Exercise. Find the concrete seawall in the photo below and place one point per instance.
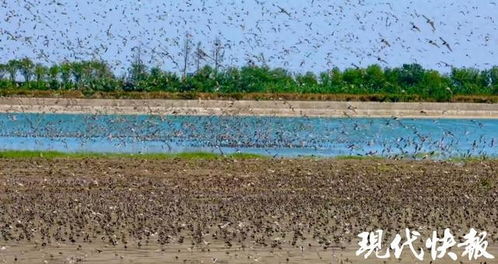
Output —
(246, 108)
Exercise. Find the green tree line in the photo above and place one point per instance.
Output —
(409, 79)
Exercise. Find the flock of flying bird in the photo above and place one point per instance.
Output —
(232, 204)
(275, 33)
(306, 35)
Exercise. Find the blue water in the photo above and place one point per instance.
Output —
(276, 136)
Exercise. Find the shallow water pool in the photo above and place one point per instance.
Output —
(275, 136)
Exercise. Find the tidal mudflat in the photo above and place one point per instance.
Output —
(128, 210)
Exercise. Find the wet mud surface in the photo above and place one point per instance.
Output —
(233, 211)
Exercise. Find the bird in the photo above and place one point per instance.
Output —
(430, 22)
(282, 10)
(415, 27)
(446, 44)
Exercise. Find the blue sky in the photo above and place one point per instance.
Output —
(311, 35)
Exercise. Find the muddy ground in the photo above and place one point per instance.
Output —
(234, 211)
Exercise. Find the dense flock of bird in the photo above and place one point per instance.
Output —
(302, 204)
(271, 136)
(298, 35)
(245, 204)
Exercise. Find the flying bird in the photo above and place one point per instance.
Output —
(282, 10)
(430, 22)
(445, 43)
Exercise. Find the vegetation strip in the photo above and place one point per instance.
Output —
(410, 82)
(27, 154)
(19, 154)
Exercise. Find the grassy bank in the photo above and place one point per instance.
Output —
(15, 154)
(239, 96)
